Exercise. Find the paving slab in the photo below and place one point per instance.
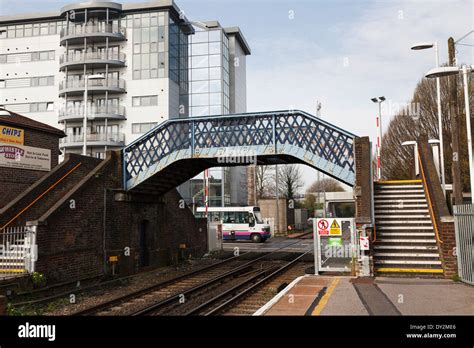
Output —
(418, 296)
(344, 300)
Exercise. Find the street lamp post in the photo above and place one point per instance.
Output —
(423, 46)
(84, 126)
(379, 101)
(415, 153)
(453, 70)
(435, 151)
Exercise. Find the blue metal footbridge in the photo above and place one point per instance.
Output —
(179, 149)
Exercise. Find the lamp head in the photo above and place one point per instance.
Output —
(422, 46)
(442, 71)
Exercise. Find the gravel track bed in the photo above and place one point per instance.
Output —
(96, 296)
(148, 299)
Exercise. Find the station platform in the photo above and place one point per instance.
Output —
(312, 295)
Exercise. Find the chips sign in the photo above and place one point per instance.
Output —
(10, 135)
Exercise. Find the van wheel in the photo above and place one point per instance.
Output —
(256, 238)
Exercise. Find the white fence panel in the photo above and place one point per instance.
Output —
(464, 226)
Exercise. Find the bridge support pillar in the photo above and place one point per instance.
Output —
(363, 195)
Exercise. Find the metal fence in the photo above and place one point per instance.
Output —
(464, 226)
(17, 251)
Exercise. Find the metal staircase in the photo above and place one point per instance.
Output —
(405, 235)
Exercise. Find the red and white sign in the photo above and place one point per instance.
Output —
(323, 227)
(364, 243)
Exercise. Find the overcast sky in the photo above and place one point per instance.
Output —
(340, 52)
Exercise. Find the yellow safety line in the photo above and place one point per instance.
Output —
(409, 270)
(430, 205)
(319, 308)
(398, 181)
(41, 195)
(12, 270)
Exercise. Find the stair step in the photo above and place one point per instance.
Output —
(405, 234)
(408, 270)
(405, 222)
(388, 192)
(427, 216)
(384, 228)
(408, 262)
(405, 247)
(406, 255)
(377, 197)
(398, 211)
(399, 201)
(394, 187)
(427, 241)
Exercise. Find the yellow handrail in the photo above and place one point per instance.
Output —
(40, 196)
(429, 199)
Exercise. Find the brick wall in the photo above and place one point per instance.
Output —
(440, 213)
(363, 181)
(70, 236)
(14, 181)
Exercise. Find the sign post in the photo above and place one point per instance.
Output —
(316, 247)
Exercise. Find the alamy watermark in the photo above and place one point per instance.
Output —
(238, 156)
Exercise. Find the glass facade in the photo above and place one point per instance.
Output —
(209, 95)
(209, 73)
(149, 49)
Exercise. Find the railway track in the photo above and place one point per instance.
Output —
(254, 289)
(215, 296)
(207, 291)
(128, 303)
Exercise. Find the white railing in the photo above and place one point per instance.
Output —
(110, 137)
(18, 251)
(92, 111)
(94, 55)
(105, 83)
(95, 28)
(464, 227)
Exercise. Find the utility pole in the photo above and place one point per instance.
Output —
(455, 127)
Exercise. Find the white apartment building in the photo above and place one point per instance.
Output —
(137, 61)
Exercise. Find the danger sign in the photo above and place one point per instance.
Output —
(364, 243)
(335, 229)
(323, 227)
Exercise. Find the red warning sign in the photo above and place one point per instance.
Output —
(323, 227)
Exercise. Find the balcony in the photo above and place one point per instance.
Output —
(93, 59)
(94, 139)
(94, 112)
(96, 32)
(76, 87)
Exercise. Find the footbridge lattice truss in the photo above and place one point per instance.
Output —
(178, 149)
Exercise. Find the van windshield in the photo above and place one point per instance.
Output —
(258, 217)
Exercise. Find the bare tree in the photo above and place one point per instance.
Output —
(290, 180)
(264, 181)
(326, 184)
(422, 118)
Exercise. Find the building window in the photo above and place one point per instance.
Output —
(149, 100)
(42, 107)
(140, 128)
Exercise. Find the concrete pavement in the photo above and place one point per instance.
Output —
(334, 295)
